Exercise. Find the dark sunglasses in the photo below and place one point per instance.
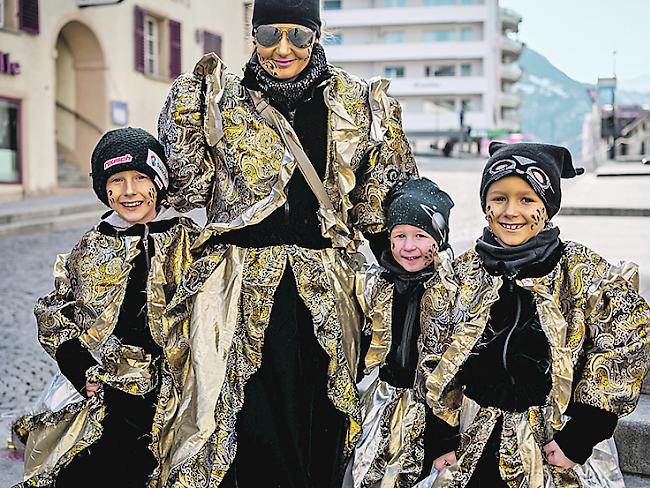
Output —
(269, 35)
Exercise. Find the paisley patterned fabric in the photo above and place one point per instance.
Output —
(90, 285)
(223, 155)
(225, 365)
(590, 313)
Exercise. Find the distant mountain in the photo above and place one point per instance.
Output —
(554, 105)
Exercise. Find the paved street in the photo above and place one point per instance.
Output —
(26, 265)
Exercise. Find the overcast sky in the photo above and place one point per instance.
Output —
(579, 36)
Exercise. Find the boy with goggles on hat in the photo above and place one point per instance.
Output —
(544, 346)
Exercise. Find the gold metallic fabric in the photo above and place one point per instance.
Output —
(90, 285)
(589, 311)
(224, 156)
(224, 305)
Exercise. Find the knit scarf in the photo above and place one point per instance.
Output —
(291, 93)
(510, 260)
(406, 283)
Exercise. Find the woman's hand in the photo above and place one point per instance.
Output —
(92, 388)
(556, 457)
(444, 461)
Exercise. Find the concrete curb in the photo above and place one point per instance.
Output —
(605, 212)
(633, 439)
(49, 224)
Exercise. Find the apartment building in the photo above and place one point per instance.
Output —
(448, 60)
(72, 69)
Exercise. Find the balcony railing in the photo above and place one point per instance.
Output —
(510, 19)
(510, 45)
(511, 72)
(407, 51)
(509, 100)
(371, 17)
(441, 85)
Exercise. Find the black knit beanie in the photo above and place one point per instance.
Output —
(421, 203)
(300, 12)
(128, 149)
(542, 166)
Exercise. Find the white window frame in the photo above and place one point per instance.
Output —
(151, 40)
(2, 13)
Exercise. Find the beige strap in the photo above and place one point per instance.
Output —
(290, 138)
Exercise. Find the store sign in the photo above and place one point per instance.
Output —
(8, 67)
(94, 3)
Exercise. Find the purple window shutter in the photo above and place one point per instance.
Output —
(211, 43)
(174, 49)
(28, 16)
(138, 39)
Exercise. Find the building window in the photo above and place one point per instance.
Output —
(211, 43)
(151, 43)
(157, 45)
(394, 71)
(394, 3)
(2, 13)
(394, 37)
(465, 69)
(28, 17)
(333, 40)
(441, 70)
(440, 105)
(9, 140)
(332, 5)
(471, 104)
(439, 2)
(441, 35)
(468, 34)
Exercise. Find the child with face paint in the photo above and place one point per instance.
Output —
(103, 326)
(394, 447)
(545, 345)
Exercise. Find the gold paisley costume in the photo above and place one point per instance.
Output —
(225, 157)
(596, 325)
(90, 288)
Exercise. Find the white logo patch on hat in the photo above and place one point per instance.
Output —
(127, 158)
(158, 166)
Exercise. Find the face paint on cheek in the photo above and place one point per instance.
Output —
(489, 214)
(269, 66)
(152, 197)
(111, 201)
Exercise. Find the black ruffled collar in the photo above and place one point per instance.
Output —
(288, 94)
(535, 258)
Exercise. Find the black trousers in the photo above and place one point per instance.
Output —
(289, 434)
(121, 457)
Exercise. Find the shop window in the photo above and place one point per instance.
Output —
(394, 71)
(9, 140)
(440, 105)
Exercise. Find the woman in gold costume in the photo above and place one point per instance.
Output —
(267, 396)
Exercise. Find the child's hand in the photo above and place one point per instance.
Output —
(556, 457)
(444, 461)
(92, 388)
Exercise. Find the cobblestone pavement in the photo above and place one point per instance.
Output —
(26, 264)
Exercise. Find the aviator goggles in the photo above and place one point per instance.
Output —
(268, 36)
